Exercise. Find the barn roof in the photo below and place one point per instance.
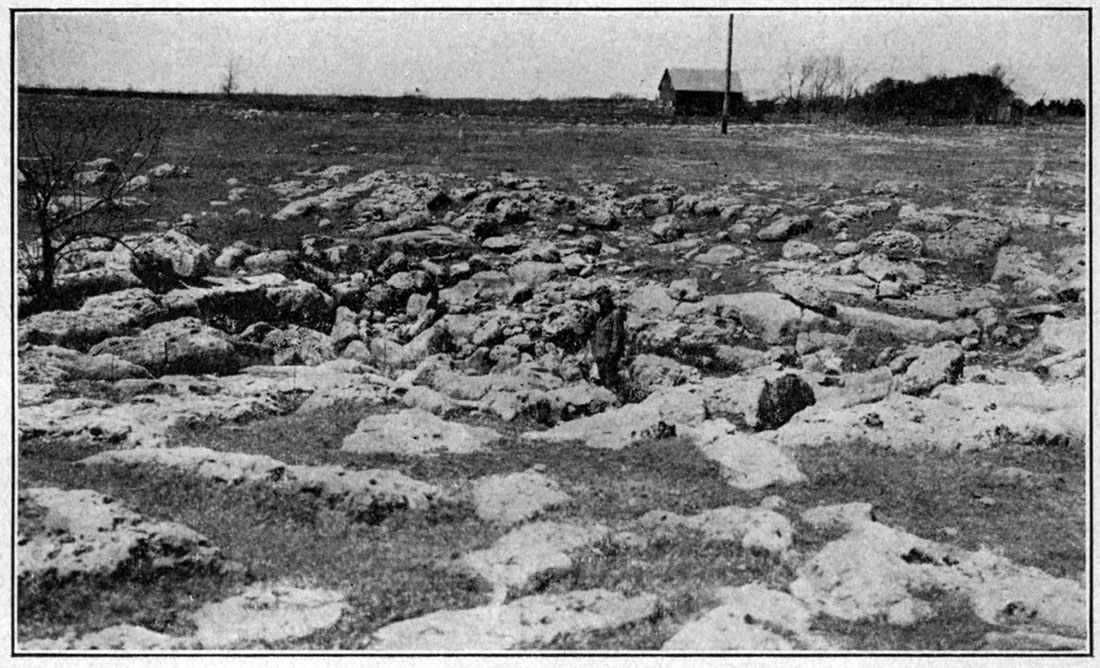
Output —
(692, 79)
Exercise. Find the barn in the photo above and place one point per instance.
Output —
(699, 91)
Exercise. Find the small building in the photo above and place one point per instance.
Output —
(699, 91)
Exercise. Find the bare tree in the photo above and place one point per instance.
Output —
(75, 181)
(820, 80)
(231, 81)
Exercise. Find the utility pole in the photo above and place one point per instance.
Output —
(729, 69)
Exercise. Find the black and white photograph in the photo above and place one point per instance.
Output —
(422, 331)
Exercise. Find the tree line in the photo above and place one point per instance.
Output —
(825, 85)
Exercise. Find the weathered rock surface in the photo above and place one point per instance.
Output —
(839, 517)
(656, 417)
(648, 372)
(417, 432)
(876, 570)
(368, 495)
(524, 622)
(967, 416)
(748, 461)
(751, 528)
(174, 255)
(767, 315)
(942, 363)
(184, 346)
(123, 637)
(968, 238)
(266, 613)
(53, 364)
(785, 227)
(894, 244)
(745, 622)
(85, 532)
(531, 551)
(514, 497)
(145, 423)
(100, 317)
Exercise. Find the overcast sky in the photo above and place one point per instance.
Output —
(536, 54)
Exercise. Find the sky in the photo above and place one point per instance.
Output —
(510, 54)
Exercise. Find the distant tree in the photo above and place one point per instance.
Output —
(231, 80)
(820, 83)
(75, 171)
(1075, 107)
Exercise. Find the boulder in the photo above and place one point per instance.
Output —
(666, 228)
(227, 304)
(796, 249)
(272, 261)
(766, 399)
(942, 363)
(785, 227)
(488, 286)
(180, 346)
(53, 364)
(893, 244)
(719, 255)
(302, 303)
(100, 317)
(970, 238)
(296, 345)
(174, 255)
(648, 372)
(766, 315)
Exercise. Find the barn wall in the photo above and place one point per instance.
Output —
(706, 103)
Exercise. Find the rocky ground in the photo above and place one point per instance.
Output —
(852, 417)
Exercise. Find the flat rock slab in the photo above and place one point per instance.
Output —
(85, 532)
(745, 622)
(514, 497)
(125, 637)
(369, 494)
(417, 432)
(839, 516)
(752, 528)
(146, 423)
(267, 613)
(956, 419)
(530, 551)
(876, 570)
(748, 461)
(526, 621)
